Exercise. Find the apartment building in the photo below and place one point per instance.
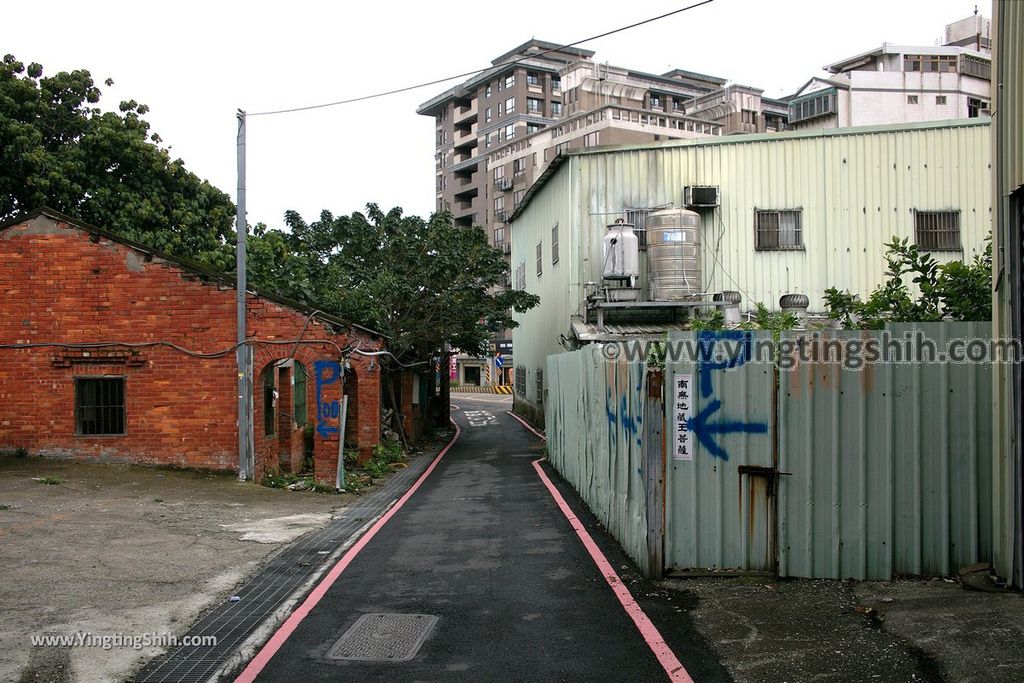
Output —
(902, 84)
(497, 132)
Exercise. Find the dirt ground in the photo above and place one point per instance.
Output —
(122, 549)
(795, 630)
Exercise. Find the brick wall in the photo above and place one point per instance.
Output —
(60, 283)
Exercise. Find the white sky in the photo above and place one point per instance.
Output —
(195, 63)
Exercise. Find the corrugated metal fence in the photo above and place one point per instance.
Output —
(599, 411)
(816, 468)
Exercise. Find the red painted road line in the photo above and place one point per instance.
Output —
(526, 424)
(668, 660)
(292, 622)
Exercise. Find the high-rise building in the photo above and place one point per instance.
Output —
(497, 132)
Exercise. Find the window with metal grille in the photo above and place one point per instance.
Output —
(521, 275)
(778, 229)
(299, 395)
(813, 106)
(540, 259)
(554, 244)
(269, 401)
(540, 386)
(521, 381)
(99, 406)
(638, 219)
(937, 230)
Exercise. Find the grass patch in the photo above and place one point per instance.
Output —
(13, 452)
(50, 481)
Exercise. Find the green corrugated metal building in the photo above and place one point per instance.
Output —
(852, 188)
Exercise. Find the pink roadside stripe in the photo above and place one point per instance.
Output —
(668, 660)
(261, 659)
(540, 435)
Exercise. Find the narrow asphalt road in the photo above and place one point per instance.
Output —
(483, 546)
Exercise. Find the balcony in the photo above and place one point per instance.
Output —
(467, 193)
(502, 215)
(504, 184)
(466, 113)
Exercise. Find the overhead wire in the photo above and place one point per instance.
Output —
(465, 74)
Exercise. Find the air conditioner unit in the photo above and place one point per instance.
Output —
(701, 196)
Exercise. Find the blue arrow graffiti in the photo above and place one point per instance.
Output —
(704, 431)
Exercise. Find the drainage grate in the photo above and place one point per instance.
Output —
(233, 622)
(384, 638)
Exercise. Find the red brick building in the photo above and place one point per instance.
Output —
(94, 331)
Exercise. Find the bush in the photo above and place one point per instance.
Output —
(954, 290)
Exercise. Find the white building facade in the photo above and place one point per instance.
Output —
(902, 84)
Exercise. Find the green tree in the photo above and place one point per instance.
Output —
(57, 148)
(425, 283)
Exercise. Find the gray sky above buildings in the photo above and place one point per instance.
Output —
(194, 63)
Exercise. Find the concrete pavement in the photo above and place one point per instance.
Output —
(483, 547)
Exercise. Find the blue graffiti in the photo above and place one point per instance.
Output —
(326, 372)
(700, 427)
(738, 352)
(735, 356)
(623, 417)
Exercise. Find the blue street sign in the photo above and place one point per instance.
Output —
(498, 360)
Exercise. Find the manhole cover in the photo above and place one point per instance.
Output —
(384, 637)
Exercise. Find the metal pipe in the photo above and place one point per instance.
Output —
(242, 352)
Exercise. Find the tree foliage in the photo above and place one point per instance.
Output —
(956, 290)
(425, 283)
(57, 148)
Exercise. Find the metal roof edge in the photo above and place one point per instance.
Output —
(561, 158)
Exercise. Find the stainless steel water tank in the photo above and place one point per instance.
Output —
(674, 255)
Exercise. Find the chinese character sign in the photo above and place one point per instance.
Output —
(682, 401)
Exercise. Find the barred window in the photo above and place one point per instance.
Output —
(521, 275)
(521, 381)
(638, 219)
(540, 259)
(99, 406)
(937, 230)
(540, 386)
(554, 244)
(778, 229)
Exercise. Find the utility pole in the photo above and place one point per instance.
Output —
(242, 351)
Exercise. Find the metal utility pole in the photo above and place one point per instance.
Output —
(242, 352)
